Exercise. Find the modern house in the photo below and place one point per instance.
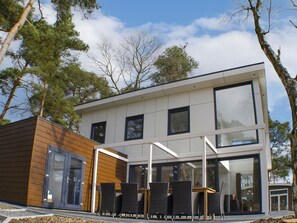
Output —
(209, 129)
(45, 165)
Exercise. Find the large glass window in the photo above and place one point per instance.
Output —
(178, 120)
(235, 108)
(242, 184)
(134, 127)
(193, 171)
(98, 132)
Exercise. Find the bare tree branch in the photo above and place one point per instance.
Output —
(293, 23)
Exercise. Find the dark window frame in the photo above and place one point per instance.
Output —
(92, 131)
(126, 126)
(255, 112)
(176, 110)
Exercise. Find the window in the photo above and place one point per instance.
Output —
(235, 108)
(178, 120)
(98, 132)
(242, 184)
(134, 127)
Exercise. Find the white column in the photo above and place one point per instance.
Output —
(204, 162)
(149, 166)
(93, 199)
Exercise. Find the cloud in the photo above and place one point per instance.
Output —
(216, 42)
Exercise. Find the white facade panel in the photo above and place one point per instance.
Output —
(202, 118)
(85, 126)
(149, 125)
(201, 96)
(120, 124)
(162, 103)
(136, 108)
(181, 147)
(161, 123)
(111, 125)
(99, 116)
(178, 100)
(150, 106)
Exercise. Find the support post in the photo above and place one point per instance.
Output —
(204, 162)
(93, 199)
(149, 166)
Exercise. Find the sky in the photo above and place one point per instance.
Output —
(214, 39)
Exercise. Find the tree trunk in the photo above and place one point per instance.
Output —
(14, 30)
(11, 94)
(41, 108)
(288, 82)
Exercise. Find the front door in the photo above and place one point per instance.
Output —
(64, 183)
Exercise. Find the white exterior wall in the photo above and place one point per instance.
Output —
(202, 119)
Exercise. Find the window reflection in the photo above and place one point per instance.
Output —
(242, 187)
(235, 108)
(134, 127)
(98, 132)
(178, 120)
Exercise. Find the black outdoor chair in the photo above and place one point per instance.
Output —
(182, 198)
(110, 200)
(132, 201)
(196, 204)
(158, 200)
(215, 203)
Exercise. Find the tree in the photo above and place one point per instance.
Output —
(128, 65)
(10, 80)
(63, 9)
(174, 64)
(74, 86)
(279, 145)
(259, 12)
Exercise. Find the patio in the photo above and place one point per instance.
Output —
(91, 216)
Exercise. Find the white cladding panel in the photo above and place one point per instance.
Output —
(136, 108)
(149, 125)
(85, 126)
(179, 100)
(161, 123)
(121, 114)
(111, 125)
(155, 110)
(162, 103)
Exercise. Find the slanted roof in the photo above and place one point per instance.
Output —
(214, 79)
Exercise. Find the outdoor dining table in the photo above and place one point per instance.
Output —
(204, 190)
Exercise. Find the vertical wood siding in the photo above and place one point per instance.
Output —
(16, 143)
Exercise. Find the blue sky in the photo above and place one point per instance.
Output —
(138, 12)
(215, 40)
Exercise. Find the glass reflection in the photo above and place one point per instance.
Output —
(242, 187)
(235, 108)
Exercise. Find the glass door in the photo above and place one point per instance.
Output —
(63, 184)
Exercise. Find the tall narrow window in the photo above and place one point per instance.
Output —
(235, 108)
(98, 132)
(178, 120)
(134, 127)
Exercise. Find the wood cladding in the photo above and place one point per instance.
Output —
(24, 147)
(16, 143)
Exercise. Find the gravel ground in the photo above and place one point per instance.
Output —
(53, 219)
(18, 213)
(4, 206)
